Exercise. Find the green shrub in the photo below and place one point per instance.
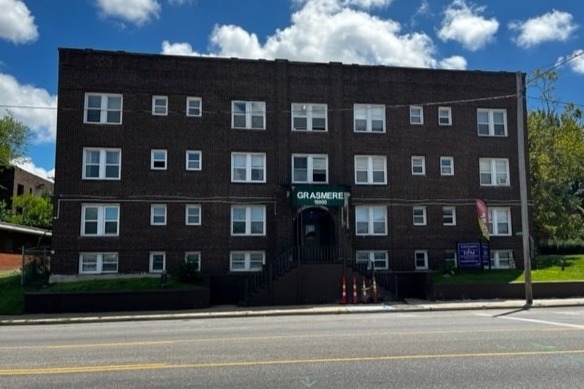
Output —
(188, 273)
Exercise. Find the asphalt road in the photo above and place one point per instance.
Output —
(539, 348)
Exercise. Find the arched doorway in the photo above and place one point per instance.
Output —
(315, 235)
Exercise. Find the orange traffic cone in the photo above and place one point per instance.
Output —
(355, 299)
(344, 295)
(374, 291)
(364, 289)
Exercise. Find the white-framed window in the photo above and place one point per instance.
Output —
(309, 117)
(494, 171)
(247, 260)
(194, 160)
(369, 118)
(158, 214)
(193, 215)
(371, 220)
(449, 216)
(103, 108)
(158, 159)
(157, 262)
(101, 164)
(100, 219)
(419, 214)
(421, 259)
(193, 257)
(160, 105)
(446, 166)
(492, 122)
(418, 165)
(370, 169)
(416, 114)
(248, 220)
(310, 168)
(194, 106)
(98, 263)
(376, 259)
(450, 258)
(499, 221)
(248, 167)
(249, 115)
(444, 116)
(502, 259)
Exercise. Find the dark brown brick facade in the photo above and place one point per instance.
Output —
(219, 81)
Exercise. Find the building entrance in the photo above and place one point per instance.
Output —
(315, 235)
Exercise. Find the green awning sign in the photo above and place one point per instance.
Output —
(329, 196)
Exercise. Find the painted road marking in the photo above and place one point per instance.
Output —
(546, 322)
(158, 366)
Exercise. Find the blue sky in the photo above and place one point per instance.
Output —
(515, 35)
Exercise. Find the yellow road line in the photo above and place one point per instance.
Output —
(157, 366)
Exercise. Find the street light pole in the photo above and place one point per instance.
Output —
(521, 156)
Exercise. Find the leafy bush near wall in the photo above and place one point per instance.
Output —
(561, 247)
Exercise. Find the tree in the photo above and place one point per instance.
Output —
(556, 157)
(14, 138)
(29, 210)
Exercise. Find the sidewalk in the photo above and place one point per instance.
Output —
(410, 305)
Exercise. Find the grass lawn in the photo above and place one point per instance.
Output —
(12, 294)
(545, 268)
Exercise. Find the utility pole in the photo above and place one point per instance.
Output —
(521, 156)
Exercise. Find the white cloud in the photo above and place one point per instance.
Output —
(552, 26)
(138, 12)
(18, 98)
(30, 167)
(575, 61)
(463, 23)
(16, 22)
(324, 31)
(453, 63)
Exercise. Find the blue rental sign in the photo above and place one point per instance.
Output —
(473, 254)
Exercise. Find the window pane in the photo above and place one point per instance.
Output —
(114, 117)
(114, 103)
(94, 102)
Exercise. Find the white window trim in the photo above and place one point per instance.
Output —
(368, 118)
(370, 220)
(310, 168)
(151, 261)
(152, 152)
(102, 163)
(189, 100)
(423, 159)
(424, 217)
(453, 209)
(496, 259)
(451, 159)
(248, 168)
(493, 213)
(103, 108)
(491, 122)
(155, 106)
(99, 264)
(413, 110)
(309, 116)
(248, 221)
(425, 253)
(449, 110)
(100, 219)
(192, 206)
(247, 266)
(248, 115)
(371, 258)
(198, 254)
(158, 206)
(493, 172)
(194, 152)
(369, 160)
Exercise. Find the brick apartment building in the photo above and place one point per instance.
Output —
(279, 177)
(16, 181)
